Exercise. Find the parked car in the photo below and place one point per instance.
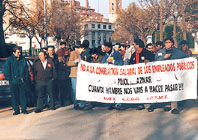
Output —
(5, 92)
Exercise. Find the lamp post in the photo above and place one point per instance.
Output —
(45, 24)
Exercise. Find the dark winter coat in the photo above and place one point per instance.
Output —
(16, 71)
(117, 57)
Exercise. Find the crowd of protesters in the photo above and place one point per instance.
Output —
(55, 73)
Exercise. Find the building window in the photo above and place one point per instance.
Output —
(93, 43)
(98, 26)
(99, 36)
(86, 33)
(86, 26)
(93, 25)
(105, 37)
(104, 26)
(99, 44)
(93, 35)
(110, 27)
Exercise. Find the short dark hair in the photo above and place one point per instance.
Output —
(183, 42)
(75, 46)
(159, 43)
(108, 44)
(82, 46)
(85, 43)
(42, 51)
(123, 45)
(139, 42)
(94, 51)
(50, 47)
(16, 48)
(62, 43)
(171, 39)
(149, 44)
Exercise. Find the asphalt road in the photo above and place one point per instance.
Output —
(100, 124)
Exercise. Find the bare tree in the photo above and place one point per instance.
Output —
(137, 21)
(65, 23)
(161, 13)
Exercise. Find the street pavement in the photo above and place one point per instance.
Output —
(65, 123)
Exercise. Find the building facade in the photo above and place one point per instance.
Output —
(114, 7)
(97, 32)
(96, 28)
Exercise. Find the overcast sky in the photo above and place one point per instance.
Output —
(102, 6)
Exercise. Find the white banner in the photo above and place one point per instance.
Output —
(160, 81)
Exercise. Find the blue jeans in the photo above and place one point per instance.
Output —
(73, 82)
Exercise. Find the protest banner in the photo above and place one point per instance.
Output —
(160, 81)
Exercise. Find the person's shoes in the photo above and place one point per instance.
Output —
(166, 109)
(111, 107)
(46, 106)
(38, 111)
(175, 111)
(88, 107)
(76, 107)
(52, 108)
(119, 107)
(150, 109)
(62, 104)
(82, 106)
(140, 107)
(16, 113)
(24, 112)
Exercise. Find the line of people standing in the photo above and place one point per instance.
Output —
(53, 71)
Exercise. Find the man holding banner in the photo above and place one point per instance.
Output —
(111, 57)
(141, 55)
(170, 53)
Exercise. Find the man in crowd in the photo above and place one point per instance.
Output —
(63, 51)
(74, 59)
(185, 49)
(63, 80)
(16, 71)
(85, 53)
(96, 56)
(44, 74)
(158, 46)
(141, 55)
(112, 57)
(169, 52)
(127, 56)
(150, 47)
(54, 58)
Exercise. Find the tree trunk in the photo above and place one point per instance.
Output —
(30, 49)
(3, 51)
(155, 36)
(184, 26)
(184, 35)
(40, 42)
(161, 20)
(174, 33)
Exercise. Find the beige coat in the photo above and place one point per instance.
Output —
(73, 56)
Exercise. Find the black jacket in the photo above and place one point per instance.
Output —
(144, 55)
(16, 71)
(49, 73)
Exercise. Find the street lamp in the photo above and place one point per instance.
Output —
(45, 24)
